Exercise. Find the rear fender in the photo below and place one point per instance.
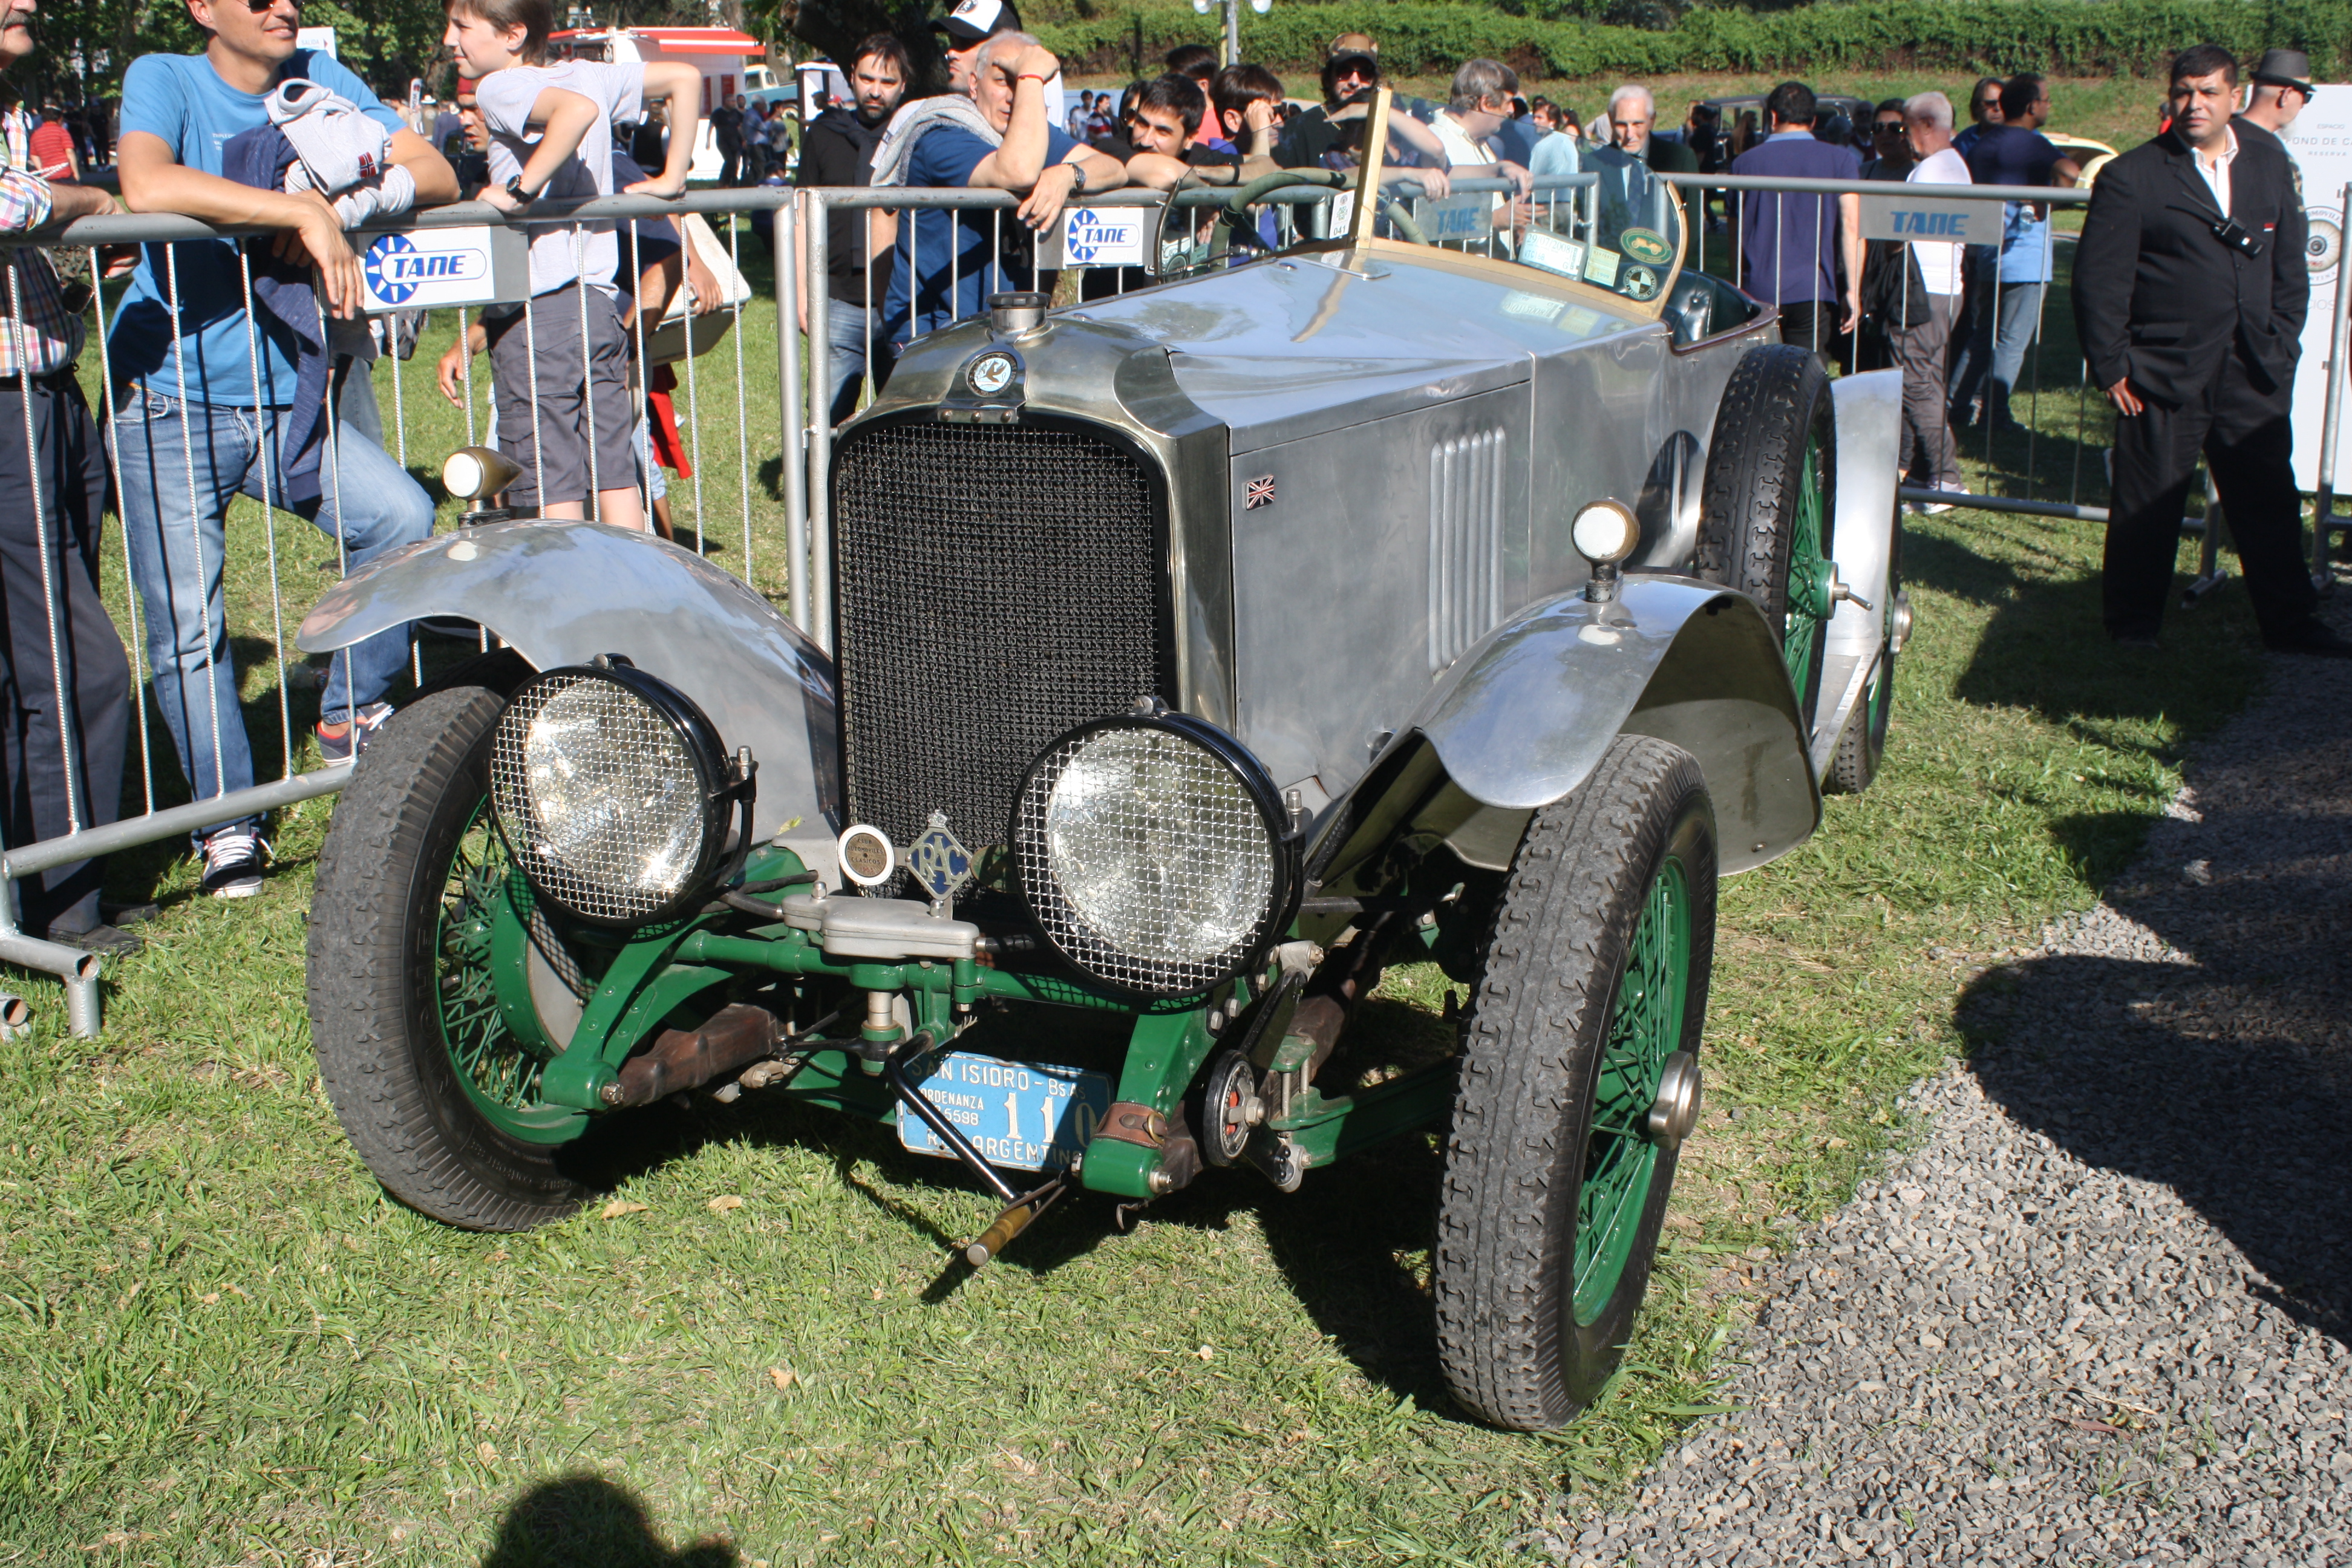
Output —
(1869, 412)
(562, 593)
(1522, 718)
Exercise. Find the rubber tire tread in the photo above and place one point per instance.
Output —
(1523, 1107)
(380, 1056)
(1747, 499)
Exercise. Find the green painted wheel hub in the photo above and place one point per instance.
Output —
(1645, 1026)
(1809, 575)
(496, 1070)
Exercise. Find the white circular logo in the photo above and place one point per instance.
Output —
(2325, 248)
(991, 373)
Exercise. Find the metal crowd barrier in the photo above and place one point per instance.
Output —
(804, 225)
(2326, 520)
(80, 970)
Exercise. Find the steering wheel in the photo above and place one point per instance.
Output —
(1233, 218)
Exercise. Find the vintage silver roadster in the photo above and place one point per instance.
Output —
(1200, 652)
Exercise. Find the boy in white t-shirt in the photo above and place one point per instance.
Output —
(560, 364)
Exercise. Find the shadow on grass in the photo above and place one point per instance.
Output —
(2046, 651)
(586, 1522)
(1345, 1242)
(2227, 1078)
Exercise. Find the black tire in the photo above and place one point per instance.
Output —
(1516, 1351)
(1775, 405)
(374, 1020)
(1861, 744)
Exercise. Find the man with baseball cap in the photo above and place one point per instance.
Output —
(972, 24)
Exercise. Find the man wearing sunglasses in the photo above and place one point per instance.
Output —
(1351, 69)
(204, 390)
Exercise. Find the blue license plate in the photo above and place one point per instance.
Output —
(1024, 1116)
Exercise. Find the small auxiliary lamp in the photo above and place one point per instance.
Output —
(1604, 533)
(473, 475)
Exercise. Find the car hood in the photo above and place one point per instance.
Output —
(1296, 346)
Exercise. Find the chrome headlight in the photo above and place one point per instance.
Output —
(613, 792)
(1154, 853)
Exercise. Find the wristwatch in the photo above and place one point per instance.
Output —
(521, 197)
(1078, 178)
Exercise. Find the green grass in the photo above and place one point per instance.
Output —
(228, 1347)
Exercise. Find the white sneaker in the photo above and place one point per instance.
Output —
(233, 864)
(1938, 508)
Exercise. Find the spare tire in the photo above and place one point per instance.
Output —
(1768, 502)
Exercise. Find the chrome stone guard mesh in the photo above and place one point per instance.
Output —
(632, 852)
(1209, 845)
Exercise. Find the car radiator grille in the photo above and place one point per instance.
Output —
(1465, 542)
(995, 586)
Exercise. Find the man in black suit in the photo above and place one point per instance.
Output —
(2190, 295)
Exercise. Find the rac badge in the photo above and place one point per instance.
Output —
(938, 860)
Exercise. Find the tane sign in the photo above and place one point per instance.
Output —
(479, 264)
(1909, 216)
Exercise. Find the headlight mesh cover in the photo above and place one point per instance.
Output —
(1146, 861)
(599, 797)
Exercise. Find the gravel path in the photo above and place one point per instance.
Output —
(2102, 1313)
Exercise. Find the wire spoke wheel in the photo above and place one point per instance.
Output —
(1801, 632)
(1592, 986)
(1645, 1026)
(1768, 504)
(413, 1007)
(496, 1071)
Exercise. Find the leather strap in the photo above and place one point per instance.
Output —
(1129, 1123)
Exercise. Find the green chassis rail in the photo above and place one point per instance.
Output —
(654, 972)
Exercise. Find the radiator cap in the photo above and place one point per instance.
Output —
(1014, 313)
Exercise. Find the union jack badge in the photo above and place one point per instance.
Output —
(1259, 492)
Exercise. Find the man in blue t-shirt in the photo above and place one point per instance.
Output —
(949, 262)
(187, 386)
(2009, 152)
(1791, 246)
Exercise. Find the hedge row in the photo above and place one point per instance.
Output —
(2064, 38)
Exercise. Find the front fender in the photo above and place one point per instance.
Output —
(1521, 719)
(562, 593)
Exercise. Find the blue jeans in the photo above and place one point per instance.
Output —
(175, 560)
(852, 333)
(1997, 350)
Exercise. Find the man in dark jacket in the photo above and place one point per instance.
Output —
(726, 134)
(838, 150)
(2190, 294)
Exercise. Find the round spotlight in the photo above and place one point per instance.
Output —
(1605, 533)
(613, 792)
(1154, 853)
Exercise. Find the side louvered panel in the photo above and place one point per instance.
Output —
(1465, 542)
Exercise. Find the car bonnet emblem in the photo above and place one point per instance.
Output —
(991, 373)
(1257, 493)
(938, 860)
